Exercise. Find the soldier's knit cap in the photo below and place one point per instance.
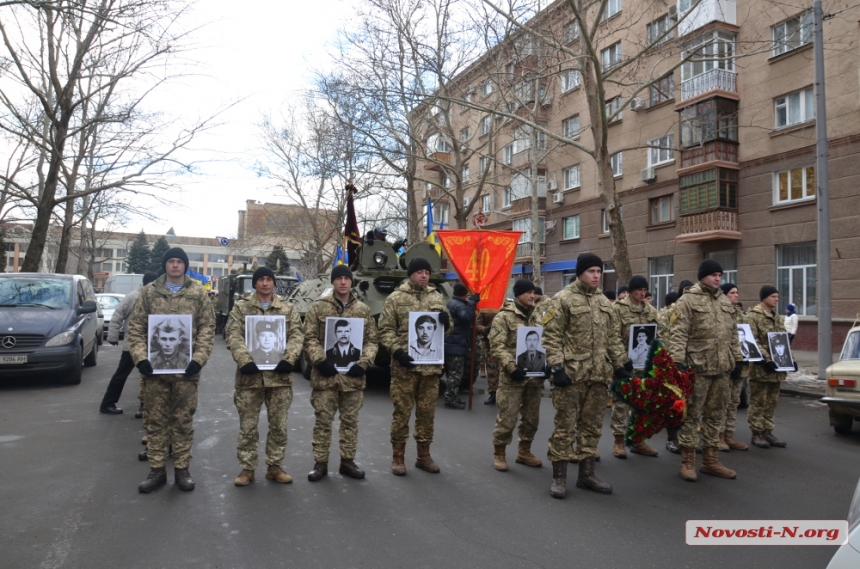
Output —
(341, 271)
(587, 260)
(671, 298)
(460, 290)
(523, 286)
(175, 253)
(149, 276)
(684, 284)
(265, 326)
(637, 282)
(610, 294)
(626, 288)
(709, 267)
(727, 287)
(766, 291)
(539, 290)
(418, 264)
(260, 273)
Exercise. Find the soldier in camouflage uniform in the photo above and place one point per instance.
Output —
(663, 315)
(255, 387)
(582, 348)
(412, 385)
(727, 433)
(335, 390)
(170, 400)
(630, 310)
(485, 321)
(703, 336)
(764, 379)
(517, 393)
(664, 332)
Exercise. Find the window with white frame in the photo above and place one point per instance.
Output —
(570, 127)
(508, 154)
(485, 125)
(571, 177)
(486, 203)
(507, 198)
(794, 185)
(728, 260)
(487, 88)
(792, 33)
(612, 112)
(610, 280)
(483, 162)
(525, 225)
(794, 108)
(569, 80)
(440, 214)
(661, 271)
(611, 56)
(617, 167)
(663, 90)
(708, 52)
(446, 182)
(661, 210)
(659, 27)
(796, 272)
(660, 149)
(465, 174)
(428, 187)
(436, 143)
(570, 229)
(464, 134)
(571, 31)
(604, 219)
(522, 140)
(612, 8)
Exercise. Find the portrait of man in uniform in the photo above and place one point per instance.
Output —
(641, 336)
(749, 349)
(266, 339)
(530, 354)
(426, 338)
(780, 352)
(343, 341)
(169, 342)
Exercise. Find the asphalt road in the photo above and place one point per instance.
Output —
(69, 496)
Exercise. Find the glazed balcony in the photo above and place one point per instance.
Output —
(713, 151)
(709, 226)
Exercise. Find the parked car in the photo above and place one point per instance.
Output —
(842, 393)
(48, 324)
(848, 554)
(108, 303)
(123, 284)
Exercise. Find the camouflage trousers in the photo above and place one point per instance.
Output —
(411, 389)
(521, 400)
(618, 420)
(578, 413)
(710, 397)
(734, 401)
(764, 395)
(492, 366)
(169, 419)
(326, 403)
(249, 402)
(455, 369)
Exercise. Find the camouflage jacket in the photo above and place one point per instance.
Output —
(156, 298)
(628, 315)
(503, 338)
(250, 305)
(663, 323)
(702, 331)
(761, 323)
(315, 326)
(394, 321)
(581, 333)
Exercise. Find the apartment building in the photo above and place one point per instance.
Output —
(715, 158)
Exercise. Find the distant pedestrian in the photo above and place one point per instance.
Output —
(458, 344)
(791, 322)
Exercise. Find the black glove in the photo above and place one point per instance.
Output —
(561, 379)
(113, 343)
(770, 366)
(795, 366)
(145, 367)
(249, 369)
(326, 368)
(629, 366)
(284, 367)
(355, 371)
(403, 358)
(444, 319)
(736, 373)
(681, 367)
(621, 373)
(473, 299)
(546, 373)
(518, 375)
(193, 369)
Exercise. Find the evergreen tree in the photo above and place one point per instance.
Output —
(158, 250)
(138, 255)
(278, 254)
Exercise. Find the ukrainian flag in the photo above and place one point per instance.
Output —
(432, 238)
(202, 279)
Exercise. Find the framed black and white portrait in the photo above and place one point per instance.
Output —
(169, 342)
(531, 356)
(749, 347)
(344, 340)
(426, 338)
(266, 338)
(641, 336)
(780, 351)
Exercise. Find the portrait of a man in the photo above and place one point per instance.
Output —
(530, 354)
(641, 336)
(426, 338)
(266, 339)
(749, 348)
(169, 342)
(343, 341)
(780, 352)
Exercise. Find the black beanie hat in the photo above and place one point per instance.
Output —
(341, 271)
(727, 287)
(262, 272)
(523, 286)
(538, 290)
(587, 260)
(460, 290)
(418, 264)
(684, 284)
(708, 267)
(149, 276)
(637, 282)
(766, 291)
(175, 253)
(610, 294)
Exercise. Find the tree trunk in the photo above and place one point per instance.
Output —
(65, 237)
(535, 203)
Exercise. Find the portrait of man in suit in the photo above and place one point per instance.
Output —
(343, 352)
(749, 349)
(780, 353)
(531, 356)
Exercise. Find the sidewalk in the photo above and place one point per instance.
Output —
(805, 382)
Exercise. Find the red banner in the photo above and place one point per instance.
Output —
(482, 260)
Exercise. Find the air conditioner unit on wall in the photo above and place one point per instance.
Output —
(466, 202)
(649, 175)
(549, 226)
(637, 104)
(471, 89)
(558, 197)
(552, 185)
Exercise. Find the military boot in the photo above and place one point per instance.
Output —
(425, 462)
(183, 479)
(319, 472)
(733, 443)
(139, 414)
(774, 442)
(688, 464)
(157, 478)
(349, 468)
(618, 448)
(525, 456)
(644, 449)
(500, 463)
(587, 479)
(672, 441)
(559, 479)
(711, 464)
(398, 467)
(759, 440)
(245, 477)
(143, 455)
(276, 473)
(723, 445)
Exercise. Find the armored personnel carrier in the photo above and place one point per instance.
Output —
(236, 286)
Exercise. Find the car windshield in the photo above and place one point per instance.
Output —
(108, 302)
(48, 293)
(851, 349)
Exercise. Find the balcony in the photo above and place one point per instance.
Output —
(705, 12)
(713, 151)
(523, 206)
(709, 226)
(444, 157)
(715, 79)
(526, 250)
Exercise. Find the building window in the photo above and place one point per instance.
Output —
(661, 210)
(486, 203)
(571, 227)
(483, 162)
(663, 90)
(485, 125)
(612, 8)
(604, 219)
(794, 108)
(794, 185)
(569, 80)
(571, 31)
(508, 154)
(522, 140)
(465, 174)
(428, 187)
(435, 143)
(796, 277)
(610, 281)
(487, 88)
(570, 127)
(440, 214)
(464, 134)
(792, 33)
(661, 150)
(728, 260)
(121, 253)
(612, 110)
(661, 271)
(611, 56)
(661, 26)
(711, 189)
(571, 177)
(194, 257)
(617, 168)
(716, 119)
(508, 197)
(708, 52)
(525, 225)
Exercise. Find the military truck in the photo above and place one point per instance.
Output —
(235, 286)
(377, 273)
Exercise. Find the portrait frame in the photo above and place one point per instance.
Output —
(786, 361)
(537, 367)
(277, 325)
(436, 345)
(356, 342)
(167, 327)
(639, 356)
(749, 339)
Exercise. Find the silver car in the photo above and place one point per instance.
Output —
(108, 303)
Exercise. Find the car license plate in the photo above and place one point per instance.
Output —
(13, 359)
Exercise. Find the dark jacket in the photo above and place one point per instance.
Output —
(458, 342)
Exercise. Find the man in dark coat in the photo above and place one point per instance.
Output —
(458, 344)
(343, 354)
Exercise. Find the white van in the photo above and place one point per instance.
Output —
(123, 284)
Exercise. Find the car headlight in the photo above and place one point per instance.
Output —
(60, 339)
(380, 258)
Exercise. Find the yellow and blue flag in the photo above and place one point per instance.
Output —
(202, 279)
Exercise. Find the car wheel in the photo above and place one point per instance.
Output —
(305, 365)
(842, 424)
(74, 376)
(745, 394)
(93, 357)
